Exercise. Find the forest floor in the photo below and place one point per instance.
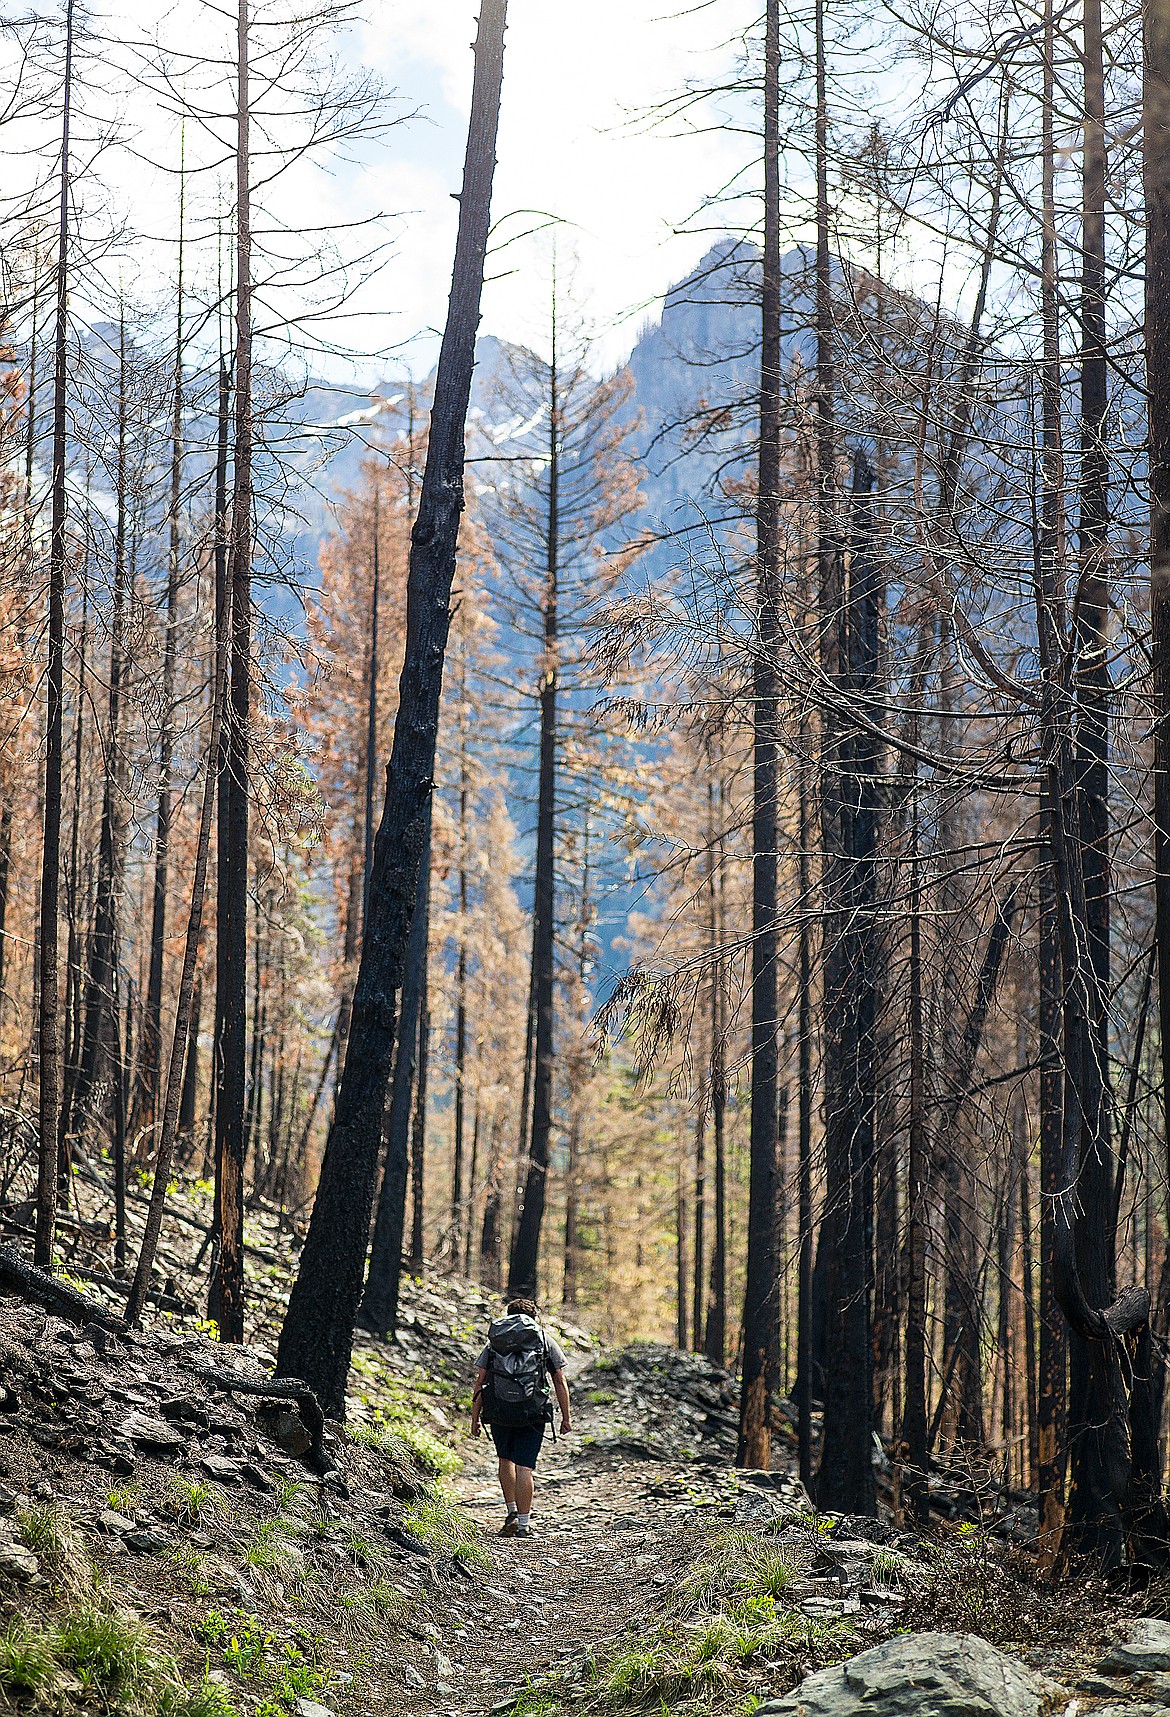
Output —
(167, 1548)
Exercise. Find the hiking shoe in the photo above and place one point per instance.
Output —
(509, 1528)
(523, 1531)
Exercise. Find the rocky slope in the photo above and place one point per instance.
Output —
(178, 1541)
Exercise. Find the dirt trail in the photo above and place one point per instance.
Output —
(608, 1540)
(616, 1522)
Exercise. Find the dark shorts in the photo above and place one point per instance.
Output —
(519, 1444)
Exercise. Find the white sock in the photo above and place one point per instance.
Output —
(511, 1507)
(523, 1519)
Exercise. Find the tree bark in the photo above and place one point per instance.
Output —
(318, 1329)
(715, 1338)
(849, 814)
(1088, 1482)
(226, 1294)
(526, 1250)
(379, 1308)
(760, 1294)
(1156, 128)
(48, 1025)
(151, 1051)
(101, 1036)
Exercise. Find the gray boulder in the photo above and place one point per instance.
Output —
(920, 1675)
(1144, 1650)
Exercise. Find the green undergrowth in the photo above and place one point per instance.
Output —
(90, 1652)
(390, 1416)
(270, 1672)
(98, 1656)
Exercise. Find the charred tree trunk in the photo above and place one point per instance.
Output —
(187, 1103)
(1089, 1483)
(914, 1406)
(715, 1338)
(151, 1051)
(226, 1295)
(74, 897)
(849, 811)
(526, 1250)
(760, 1294)
(48, 1023)
(699, 1285)
(804, 1356)
(379, 1308)
(100, 1067)
(1053, 1360)
(318, 1329)
(1053, 1336)
(1156, 125)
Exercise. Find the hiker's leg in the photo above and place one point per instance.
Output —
(508, 1477)
(522, 1484)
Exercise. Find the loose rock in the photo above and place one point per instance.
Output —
(1145, 1649)
(920, 1675)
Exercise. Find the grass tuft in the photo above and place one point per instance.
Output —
(438, 1520)
(28, 1662)
(104, 1648)
(186, 1500)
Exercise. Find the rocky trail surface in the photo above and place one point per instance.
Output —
(177, 1539)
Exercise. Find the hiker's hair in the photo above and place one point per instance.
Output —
(525, 1308)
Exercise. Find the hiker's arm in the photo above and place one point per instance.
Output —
(562, 1393)
(477, 1399)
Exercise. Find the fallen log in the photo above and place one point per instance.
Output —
(33, 1283)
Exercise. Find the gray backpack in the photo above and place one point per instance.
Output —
(516, 1390)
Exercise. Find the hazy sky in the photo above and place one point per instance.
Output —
(578, 141)
(576, 80)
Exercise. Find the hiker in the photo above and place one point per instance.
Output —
(511, 1397)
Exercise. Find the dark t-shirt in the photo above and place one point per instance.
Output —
(554, 1356)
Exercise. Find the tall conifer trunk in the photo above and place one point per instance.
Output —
(48, 1023)
(318, 1329)
(804, 1358)
(849, 814)
(1156, 125)
(226, 1296)
(1088, 1483)
(379, 1308)
(1053, 1335)
(760, 1293)
(150, 1058)
(715, 1338)
(526, 1249)
(914, 1415)
(100, 1067)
